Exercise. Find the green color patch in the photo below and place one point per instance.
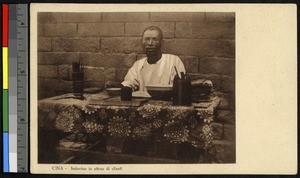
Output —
(5, 110)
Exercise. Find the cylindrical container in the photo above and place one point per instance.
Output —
(77, 76)
(77, 87)
(77, 82)
(126, 93)
(187, 93)
(175, 90)
(181, 91)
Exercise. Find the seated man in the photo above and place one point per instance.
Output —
(156, 68)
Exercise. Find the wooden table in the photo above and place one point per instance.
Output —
(83, 126)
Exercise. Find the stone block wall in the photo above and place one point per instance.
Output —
(109, 43)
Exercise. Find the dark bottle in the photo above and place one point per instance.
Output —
(175, 90)
(181, 90)
(78, 83)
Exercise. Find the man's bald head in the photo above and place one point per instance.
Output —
(154, 28)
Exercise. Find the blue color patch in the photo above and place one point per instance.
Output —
(5, 152)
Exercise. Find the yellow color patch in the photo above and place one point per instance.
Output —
(5, 67)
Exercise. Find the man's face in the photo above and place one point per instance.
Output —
(151, 42)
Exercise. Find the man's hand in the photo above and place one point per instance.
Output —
(111, 84)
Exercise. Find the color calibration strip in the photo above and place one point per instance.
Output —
(22, 87)
(15, 87)
(12, 83)
(5, 128)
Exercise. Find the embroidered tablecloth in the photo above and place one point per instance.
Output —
(153, 119)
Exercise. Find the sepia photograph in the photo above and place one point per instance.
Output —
(147, 89)
(136, 87)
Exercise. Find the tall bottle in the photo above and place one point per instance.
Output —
(175, 90)
(182, 90)
(78, 84)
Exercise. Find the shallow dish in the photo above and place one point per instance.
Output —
(113, 91)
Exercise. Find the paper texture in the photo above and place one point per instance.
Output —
(266, 90)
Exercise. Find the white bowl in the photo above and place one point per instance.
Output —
(113, 91)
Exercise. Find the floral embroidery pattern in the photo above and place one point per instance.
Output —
(170, 122)
(65, 121)
(89, 109)
(208, 120)
(177, 133)
(178, 113)
(149, 111)
(118, 127)
(92, 126)
(142, 131)
(132, 116)
(157, 123)
(192, 121)
(204, 114)
(207, 135)
(92, 116)
(177, 123)
(102, 114)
